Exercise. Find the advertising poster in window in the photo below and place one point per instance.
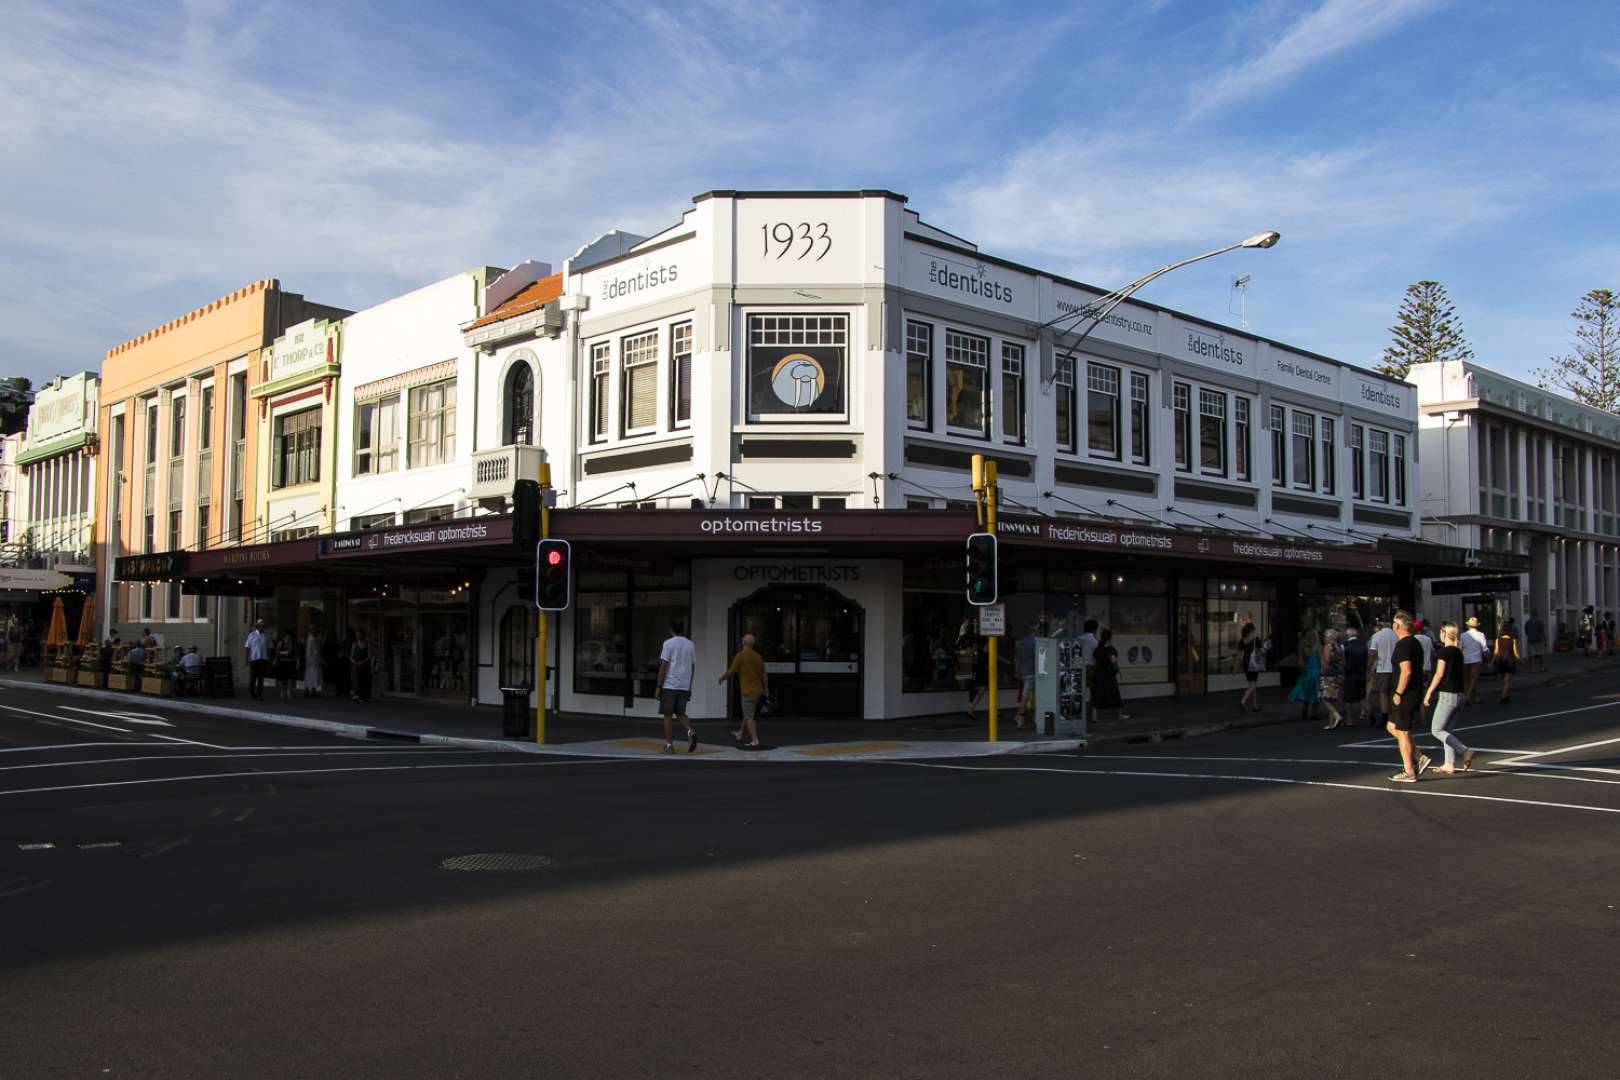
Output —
(1142, 636)
(796, 380)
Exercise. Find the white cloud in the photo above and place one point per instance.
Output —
(1333, 27)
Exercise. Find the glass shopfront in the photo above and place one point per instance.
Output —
(621, 619)
(419, 642)
(812, 640)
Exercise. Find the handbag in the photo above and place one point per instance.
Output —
(766, 706)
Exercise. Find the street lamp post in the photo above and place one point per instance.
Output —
(1100, 308)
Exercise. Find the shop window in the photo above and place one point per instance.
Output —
(1398, 462)
(517, 636)
(519, 419)
(1329, 466)
(1228, 606)
(433, 424)
(919, 369)
(1378, 465)
(1211, 433)
(1012, 393)
(1063, 395)
(1240, 437)
(620, 623)
(1102, 410)
(1279, 447)
(1358, 464)
(797, 367)
(967, 370)
(297, 453)
(1181, 397)
(1141, 434)
(601, 372)
(376, 436)
(680, 374)
(1304, 447)
(638, 383)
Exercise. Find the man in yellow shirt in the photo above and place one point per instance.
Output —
(753, 684)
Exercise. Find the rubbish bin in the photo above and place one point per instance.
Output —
(515, 711)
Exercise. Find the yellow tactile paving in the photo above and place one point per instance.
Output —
(657, 747)
(862, 748)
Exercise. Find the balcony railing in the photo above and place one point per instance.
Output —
(494, 472)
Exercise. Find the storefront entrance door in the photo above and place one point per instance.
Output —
(812, 639)
(1189, 647)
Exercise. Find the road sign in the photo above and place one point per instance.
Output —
(993, 620)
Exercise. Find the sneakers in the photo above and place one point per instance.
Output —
(1404, 778)
(1423, 763)
(669, 748)
(691, 741)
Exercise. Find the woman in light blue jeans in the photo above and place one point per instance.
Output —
(1449, 685)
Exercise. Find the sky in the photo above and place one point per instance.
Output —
(157, 156)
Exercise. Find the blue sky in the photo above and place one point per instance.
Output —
(161, 155)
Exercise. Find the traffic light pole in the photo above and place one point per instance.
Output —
(540, 638)
(990, 527)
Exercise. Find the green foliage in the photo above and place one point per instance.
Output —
(1591, 374)
(1426, 329)
(14, 401)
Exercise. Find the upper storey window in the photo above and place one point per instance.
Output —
(798, 368)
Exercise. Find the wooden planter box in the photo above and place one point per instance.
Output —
(56, 674)
(90, 677)
(155, 684)
(120, 681)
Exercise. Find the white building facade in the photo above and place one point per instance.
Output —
(1508, 467)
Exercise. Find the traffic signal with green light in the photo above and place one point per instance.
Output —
(981, 569)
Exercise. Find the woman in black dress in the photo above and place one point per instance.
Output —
(360, 666)
(284, 663)
(1105, 683)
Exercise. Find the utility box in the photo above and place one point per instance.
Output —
(1059, 693)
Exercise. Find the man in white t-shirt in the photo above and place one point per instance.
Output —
(1473, 645)
(1088, 646)
(1380, 662)
(675, 665)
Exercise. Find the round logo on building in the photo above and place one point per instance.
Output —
(797, 380)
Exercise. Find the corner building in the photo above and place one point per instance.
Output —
(762, 419)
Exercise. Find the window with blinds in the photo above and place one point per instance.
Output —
(680, 374)
(639, 382)
(601, 372)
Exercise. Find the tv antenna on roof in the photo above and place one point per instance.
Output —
(1240, 291)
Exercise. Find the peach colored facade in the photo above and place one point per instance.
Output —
(180, 445)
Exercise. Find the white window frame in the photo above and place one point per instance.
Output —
(1012, 394)
(638, 361)
(1358, 461)
(1242, 439)
(1103, 381)
(1397, 468)
(970, 352)
(1328, 480)
(1212, 405)
(680, 366)
(1141, 418)
(382, 456)
(438, 445)
(1302, 426)
(1378, 479)
(1277, 426)
(600, 399)
(920, 350)
(1182, 441)
(1064, 392)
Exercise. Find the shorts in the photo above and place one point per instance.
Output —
(1252, 676)
(1403, 714)
(1381, 683)
(1506, 667)
(1355, 691)
(673, 702)
(750, 706)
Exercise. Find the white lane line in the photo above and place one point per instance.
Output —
(364, 749)
(128, 718)
(1384, 740)
(188, 742)
(1277, 760)
(70, 746)
(175, 757)
(1497, 770)
(22, 889)
(165, 848)
(67, 719)
(1567, 749)
(316, 772)
(1391, 789)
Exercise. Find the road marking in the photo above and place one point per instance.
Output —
(94, 844)
(43, 845)
(188, 742)
(858, 748)
(317, 772)
(1277, 760)
(20, 889)
(656, 746)
(243, 816)
(179, 757)
(1565, 749)
(1385, 740)
(128, 718)
(67, 719)
(70, 746)
(164, 849)
(1391, 789)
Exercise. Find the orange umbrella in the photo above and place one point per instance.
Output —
(87, 623)
(57, 634)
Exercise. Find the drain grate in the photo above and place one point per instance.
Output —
(495, 862)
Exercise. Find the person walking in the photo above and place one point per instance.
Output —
(1420, 630)
(1380, 657)
(1585, 639)
(1105, 684)
(1088, 649)
(1601, 630)
(748, 668)
(314, 662)
(285, 665)
(1535, 643)
(1355, 673)
(1308, 689)
(1473, 647)
(1449, 683)
(676, 661)
(257, 647)
(1405, 691)
(1507, 659)
(1024, 657)
(360, 667)
(1251, 657)
(1331, 662)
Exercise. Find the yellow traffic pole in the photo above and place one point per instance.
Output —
(990, 527)
(540, 638)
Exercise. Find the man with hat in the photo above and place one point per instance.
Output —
(257, 646)
(1473, 645)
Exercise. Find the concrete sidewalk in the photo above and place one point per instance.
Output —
(953, 735)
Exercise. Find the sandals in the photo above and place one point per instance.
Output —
(1468, 760)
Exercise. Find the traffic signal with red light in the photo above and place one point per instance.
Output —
(981, 569)
(553, 575)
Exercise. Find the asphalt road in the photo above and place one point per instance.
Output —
(226, 899)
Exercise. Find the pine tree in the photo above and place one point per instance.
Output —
(1426, 329)
(1591, 375)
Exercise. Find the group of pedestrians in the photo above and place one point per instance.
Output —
(677, 660)
(303, 664)
(19, 643)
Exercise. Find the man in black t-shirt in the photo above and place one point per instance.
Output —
(1406, 694)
